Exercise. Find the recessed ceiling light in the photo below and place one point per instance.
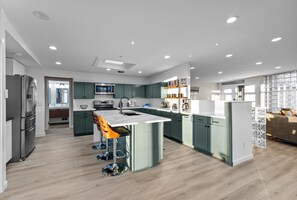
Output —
(51, 47)
(190, 56)
(139, 72)
(276, 39)
(232, 19)
(217, 44)
(167, 56)
(229, 55)
(196, 77)
(114, 62)
(40, 15)
(258, 63)
(58, 63)
(108, 69)
(192, 67)
(132, 42)
(278, 67)
(220, 72)
(221, 80)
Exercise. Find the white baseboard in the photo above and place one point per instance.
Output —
(243, 159)
(40, 134)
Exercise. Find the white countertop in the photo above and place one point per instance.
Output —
(114, 118)
(87, 109)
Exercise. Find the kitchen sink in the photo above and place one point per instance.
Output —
(130, 113)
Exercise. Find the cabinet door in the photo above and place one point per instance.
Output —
(89, 91)
(79, 90)
(118, 91)
(219, 142)
(200, 136)
(156, 90)
(176, 129)
(149, 91)
(79, 125)
(89, 123)
(139, 91)
(187, 128)
(128, 90)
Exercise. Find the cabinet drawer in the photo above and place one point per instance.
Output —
(218, 121)
(201, 119)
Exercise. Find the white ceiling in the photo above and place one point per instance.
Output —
(85, 29)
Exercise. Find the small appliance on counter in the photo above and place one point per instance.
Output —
(186, 105)
(174, 106)
(165, 104)
(147, 105)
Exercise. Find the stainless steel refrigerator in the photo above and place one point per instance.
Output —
(21, 106)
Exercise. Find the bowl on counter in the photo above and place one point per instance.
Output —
(83, 106)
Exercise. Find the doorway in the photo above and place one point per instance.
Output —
(58, 102)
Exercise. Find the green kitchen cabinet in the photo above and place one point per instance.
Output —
(201, 133)
(176, 126)
(118, 91)
(123, 90)
(138, 91)
(82, 123)
(128, 90)
(149, 91)
(156, 90)
(84, 90)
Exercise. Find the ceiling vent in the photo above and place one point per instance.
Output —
(121, 72)
(104, 65)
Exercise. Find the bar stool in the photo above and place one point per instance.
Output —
(101, 144)
(108, 132)
(107, 155)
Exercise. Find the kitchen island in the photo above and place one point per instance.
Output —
(144, 146)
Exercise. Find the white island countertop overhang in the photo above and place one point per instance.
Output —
(114, 118)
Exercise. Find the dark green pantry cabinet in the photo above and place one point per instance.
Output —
(82, 123)
(84, 90)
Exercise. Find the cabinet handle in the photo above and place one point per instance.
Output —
(215, 122)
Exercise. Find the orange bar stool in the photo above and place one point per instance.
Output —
(101, 144)
(107, 155)
(108, 132)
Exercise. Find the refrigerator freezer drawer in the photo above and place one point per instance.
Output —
(27, 141)
(28, 122)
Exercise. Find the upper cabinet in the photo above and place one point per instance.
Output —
(123, 90)
(138, 91)
(153, 90)
(84, 90)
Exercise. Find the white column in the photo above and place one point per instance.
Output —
(3, 182)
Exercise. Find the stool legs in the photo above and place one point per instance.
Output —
(100, 145)
(107, 155)
(114, 168)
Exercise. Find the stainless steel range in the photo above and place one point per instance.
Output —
(103, 105)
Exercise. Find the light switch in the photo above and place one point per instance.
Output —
(6, 93)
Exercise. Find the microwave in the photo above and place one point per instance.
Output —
(103, 88)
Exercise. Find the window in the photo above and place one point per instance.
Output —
(279, 91)
(249, 94)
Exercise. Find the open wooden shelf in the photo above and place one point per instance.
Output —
(175, 97)
(179, 86)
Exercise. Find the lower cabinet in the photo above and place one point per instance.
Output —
(201, 134)
(176, 127)
(211, 136)
(82, 123)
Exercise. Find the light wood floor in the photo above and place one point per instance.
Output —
(65, 167)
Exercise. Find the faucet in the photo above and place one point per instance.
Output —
(121, 104)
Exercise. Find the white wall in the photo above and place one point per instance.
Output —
(181, 71)
(14, 67)
(3, 182)
(204, 90)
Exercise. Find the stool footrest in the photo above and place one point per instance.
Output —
(99, 146)
(105, 156)
(120, 154)
(114, 169)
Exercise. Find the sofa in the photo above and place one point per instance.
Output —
(282, 127)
